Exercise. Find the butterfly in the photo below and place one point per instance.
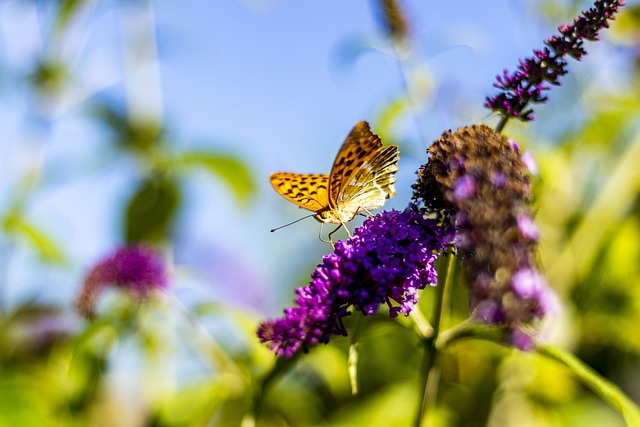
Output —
(362, 178)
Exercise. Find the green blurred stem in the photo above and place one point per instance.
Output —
(430, 368)
(281, 366)
(608, 391)
(501, 124)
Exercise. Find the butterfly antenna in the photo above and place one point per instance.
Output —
(291, 223)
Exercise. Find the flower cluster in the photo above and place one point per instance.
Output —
(479, 180)
(136, 268)
(528, 83)
(388, 259)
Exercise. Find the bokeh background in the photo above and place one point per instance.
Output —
(161, 121)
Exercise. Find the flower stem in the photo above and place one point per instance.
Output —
(609, 392)
(501, 124)
(430, 369)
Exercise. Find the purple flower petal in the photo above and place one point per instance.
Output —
(388, 259)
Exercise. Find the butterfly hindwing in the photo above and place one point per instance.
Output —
(309, 191)
(371, 185)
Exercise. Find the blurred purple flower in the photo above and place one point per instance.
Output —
(388, 259)
(137, 268)
(533, 75)
(495, 233)
(464, 188)
(528, 227)
(530, 161)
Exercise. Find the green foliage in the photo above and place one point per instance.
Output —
(18, 227)
(66, 10)
(232, 170)
(144, 137)
(151, 211)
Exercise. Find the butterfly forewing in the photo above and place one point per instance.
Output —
(357, 149)
(310, 191)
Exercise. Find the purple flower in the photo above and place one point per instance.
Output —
(464, 188)
(528, 227)
(530, 161)
(532, 289)
(388, 259)
(534, 75)
(495, 234)
(136, 268)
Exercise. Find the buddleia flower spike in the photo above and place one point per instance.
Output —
(478, 181)
(388, 259)
(534, 75)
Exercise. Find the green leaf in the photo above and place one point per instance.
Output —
(233, 171)
(45, 247)
(151, 211)
(608, 391)
(49, 77)
(141, 136)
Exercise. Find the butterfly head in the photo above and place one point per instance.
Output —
(332, 216)
(323, 216)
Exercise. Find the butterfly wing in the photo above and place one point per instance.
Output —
(360, 145)
(363, 174)
(371, 185)
(309, 191)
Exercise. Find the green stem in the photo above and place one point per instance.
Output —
(501, 124)
(430, 370)
(281, 366)
(608, 391)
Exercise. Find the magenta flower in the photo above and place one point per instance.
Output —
(137, 268)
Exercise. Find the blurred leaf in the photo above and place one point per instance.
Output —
(22, 401)
(627, 28)
(349, 50)
(194, 404)
(45, 247)
(66, 10)
(49, 77)
(233, 171)
(393, 112)
(608, 391)
(137, 136)
(151, 211)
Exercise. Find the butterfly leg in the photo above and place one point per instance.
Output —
(334, 230)
(330, 234)
(326, 241)
(367, 211)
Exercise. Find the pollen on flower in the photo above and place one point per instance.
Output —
(137, 268)
(388, 259)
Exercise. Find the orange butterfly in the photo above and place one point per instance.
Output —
(361, 180)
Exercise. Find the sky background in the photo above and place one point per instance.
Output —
(278, 83)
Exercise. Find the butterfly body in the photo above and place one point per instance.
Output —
(362, 179)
